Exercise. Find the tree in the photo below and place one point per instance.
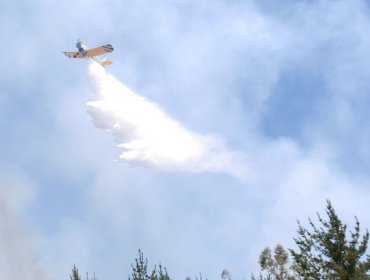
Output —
(276, 266)
(140, 270)
(74, 275)
(225, 274)
(326, 252)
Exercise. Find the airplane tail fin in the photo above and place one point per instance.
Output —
(106, 62)
(103, 62)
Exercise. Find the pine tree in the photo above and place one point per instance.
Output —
(140, 270)
(74, 275)
(326, 253)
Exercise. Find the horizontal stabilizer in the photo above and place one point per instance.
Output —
(74, 54)
(106, 62)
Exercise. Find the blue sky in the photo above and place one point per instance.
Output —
(284, 85)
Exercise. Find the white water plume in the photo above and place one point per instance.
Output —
(148, 136)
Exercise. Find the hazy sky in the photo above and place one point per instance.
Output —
(283, 86)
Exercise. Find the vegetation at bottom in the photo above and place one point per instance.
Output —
(324, 251)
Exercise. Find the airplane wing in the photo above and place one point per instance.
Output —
(74, 54)
(100, 50)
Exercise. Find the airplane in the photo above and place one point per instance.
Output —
(83, 51)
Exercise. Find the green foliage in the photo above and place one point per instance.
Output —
(140, 270)
(74, 275)
(325, 252)
(276, 266)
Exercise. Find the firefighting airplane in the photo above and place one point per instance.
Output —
(83, 51)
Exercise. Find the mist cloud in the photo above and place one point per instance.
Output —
(18, 257)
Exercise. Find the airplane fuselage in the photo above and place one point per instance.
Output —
(81, 48)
